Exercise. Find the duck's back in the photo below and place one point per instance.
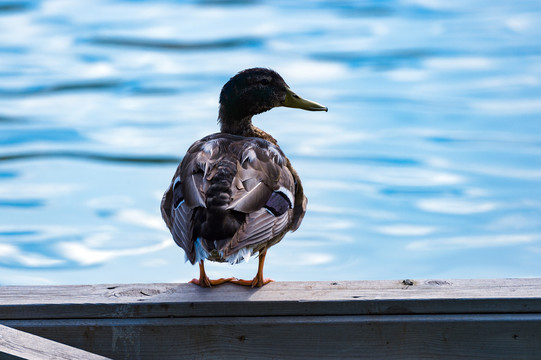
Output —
(232, 196)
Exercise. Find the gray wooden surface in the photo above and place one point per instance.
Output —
(419, 319)
(15, 344)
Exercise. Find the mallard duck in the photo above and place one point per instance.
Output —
(235, 193)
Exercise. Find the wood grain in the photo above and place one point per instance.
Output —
(16, 344)
(413, 319)
(280, 298)
(300, 337)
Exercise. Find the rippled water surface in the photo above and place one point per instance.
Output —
(428, 163)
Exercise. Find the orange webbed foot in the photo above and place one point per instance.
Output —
(205, 282)
(255, 282)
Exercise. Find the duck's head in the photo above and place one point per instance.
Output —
(254, 91)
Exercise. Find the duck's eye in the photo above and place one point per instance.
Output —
(264, 82)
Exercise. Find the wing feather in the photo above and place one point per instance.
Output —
(252, 200)
(259, 227)
(182, 229)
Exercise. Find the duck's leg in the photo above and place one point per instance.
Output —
(204, 280)
(258, 280)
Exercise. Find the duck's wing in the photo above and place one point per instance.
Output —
(178, 216)
(301, 201)
(187, 192)
(268, 192)
(264, 192)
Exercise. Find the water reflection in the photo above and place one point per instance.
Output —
(14, 6)
(427, 164)
(177, 45)
(142, 160)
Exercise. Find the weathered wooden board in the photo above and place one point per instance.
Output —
(16, 344)
(274, 299)
(422, 319)
(302, 337)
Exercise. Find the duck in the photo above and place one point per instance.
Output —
(235, 193)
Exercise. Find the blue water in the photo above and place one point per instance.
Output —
(427, 165)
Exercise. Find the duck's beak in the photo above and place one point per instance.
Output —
(295, 101)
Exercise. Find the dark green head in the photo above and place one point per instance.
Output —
(257, 90)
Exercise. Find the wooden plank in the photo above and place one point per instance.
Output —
(16, 344)
(323, 290)
(444, 319)
(276, 299)
(487, 336)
